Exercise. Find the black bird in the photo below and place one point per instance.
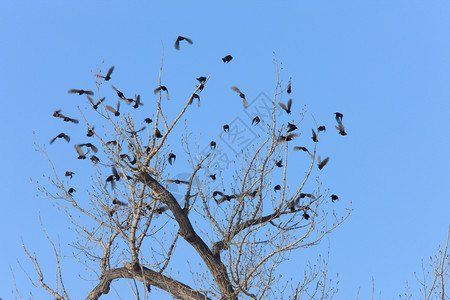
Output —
(80, 92)
(162, 88)
(223, 197)
(227, 58)
(289, 86)
(287, 138)
(288, 108)
(314, 136)
(213, 176)
(123, 156)
(279, 163)
(334, 198)
(200, 87)
(111, 179)
(94, 159)
(296, 148)
(61, 135)
(70, 191)
(277, 187)
(305, 215)
(293, 204)
(322, 163)
(69, 174)
(119, 93)
(179, 39)
(95, 105)
(341, 129)
(111, 142)
(162, 209)
(212, 145)
(117, 202)
(322, 128)
(137, 101)
(255, 120)
(89, 145)
(108, 75)
(148, 120)
(114, 111)
(171, 158)
(158, 134)
(90, 131)
(115, 173)
(80, 152)
(241, 94)
(291, 127)
(58, 114)
(226, 128)
(176, 181)
(339, 117)
(195, 96)
(201, 79)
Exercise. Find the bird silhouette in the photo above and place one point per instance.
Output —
(108, 74)
(179, 39)
(314, 136)
(339, 117)
(58, 114)
(288, 107)
(334, 198)
(195, 96)
(287, 138)
(200, 87)
(277, 187)
(241, 94)
(255, 120)
(80, 92)
(94, 159)
(279, 163)
(89, 145)
(227, 58)
(289, 86)
(61, 135)
(148, 120)
(115, 174)
(212, 145)
(69, 174)
(80, 152)
(223, 197)
(162, 88)
(95, 105)
(111, 142)
(158, 134)
(137, 101)
(114, 111)
(291, 127)
(117, 202)
(322, 163)
(90, 131)
(341, 129)
(305, 215)
(322, 128)
(171, 158)
(201, 79)
(119, 93)
(162, 209)
(70, 191)
(176, 181)
(213, 176)
(226, 128)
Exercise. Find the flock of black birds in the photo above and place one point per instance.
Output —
(218, 196)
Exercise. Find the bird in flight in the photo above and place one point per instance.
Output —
(226, 128)
(291, 127)
(114, 111)
(61, 135)
(80, 92)
(286, 108)
(322, 163)
(162, 88)
(341, 129)
(90, 132)
(334, 198)
(80, 152)
(339, 116)
(227, 58)
(289, 86)
(137, 101)
(241, 94)
(108, 74)
(321, 128)
(314, 136)
(58, 114)
(255, 120)
(179, 39)
(171, 158)
(95, 105)
(176, 181)
(287, 138)
(69, 174)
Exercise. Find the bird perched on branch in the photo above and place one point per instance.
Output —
(108, 74)
(201, 79)
(241, 94)
(61, 135)
(227, 58)
(181, 38)
(80, 92)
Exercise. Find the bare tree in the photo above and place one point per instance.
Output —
(243, 223)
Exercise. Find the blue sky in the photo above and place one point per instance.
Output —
(383, 64)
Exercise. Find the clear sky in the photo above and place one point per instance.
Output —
(384, 64)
